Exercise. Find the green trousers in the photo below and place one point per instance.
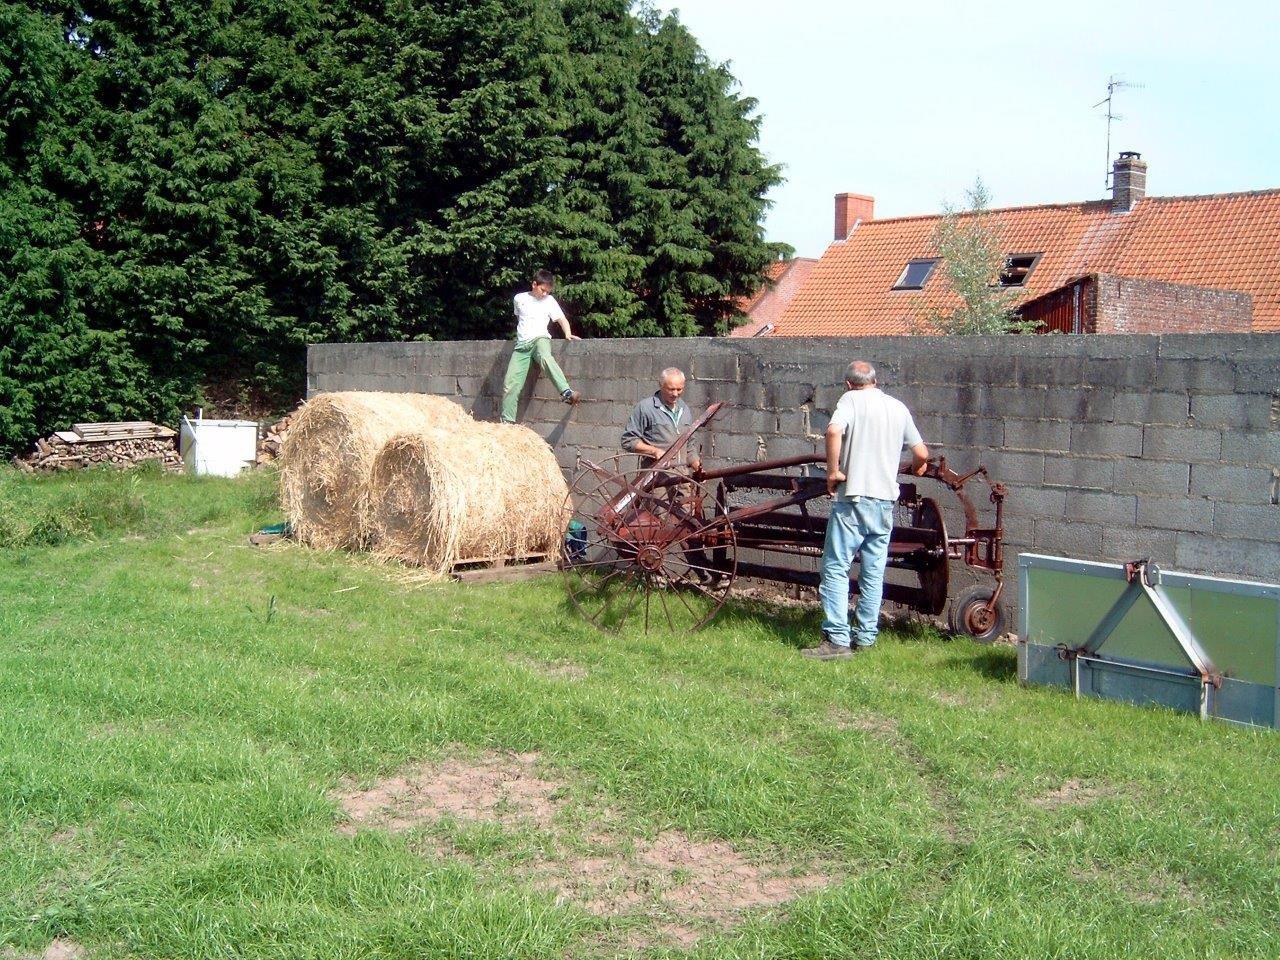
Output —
(538, 349)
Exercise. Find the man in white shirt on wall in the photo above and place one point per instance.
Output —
(865, 438)
(535, 311)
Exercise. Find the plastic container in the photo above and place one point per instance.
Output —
(218, 448)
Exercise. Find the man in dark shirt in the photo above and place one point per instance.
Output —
(656, 422)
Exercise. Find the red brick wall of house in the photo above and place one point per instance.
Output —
(1125, 305)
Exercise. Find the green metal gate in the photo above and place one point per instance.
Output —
(1137, 633)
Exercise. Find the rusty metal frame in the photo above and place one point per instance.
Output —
(918, 549)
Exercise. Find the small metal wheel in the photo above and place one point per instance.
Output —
(646, 547)
(971, 616)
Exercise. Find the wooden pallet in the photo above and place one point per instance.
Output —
(490, 569)
(124, 430)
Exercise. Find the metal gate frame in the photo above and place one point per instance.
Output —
(1217, 673)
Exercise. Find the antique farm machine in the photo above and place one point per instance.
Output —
(663, 547)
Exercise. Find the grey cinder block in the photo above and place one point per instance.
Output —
(1181, 443)
(1006, 466)
(1240, 411)
(1076, 403)
(1101, 507)
(1040, 503)
(1247, 521)
(1141, 406)
(1067, 539)
(968, 432)
(1037, 434)
(1122, 544)
(1261, 449)
(1175, 513)
(1079, 473)
(1109, 439)
(1153, 476)
(1251, 559)
(1233, 484)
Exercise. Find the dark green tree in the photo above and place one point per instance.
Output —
(193, 191)
(703, 235)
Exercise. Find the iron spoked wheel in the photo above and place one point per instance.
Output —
(973, 615)
(935, 574)
(646, 549)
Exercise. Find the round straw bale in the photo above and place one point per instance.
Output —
(326, 459)
(438, 497)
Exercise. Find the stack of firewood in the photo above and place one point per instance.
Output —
(273, 439)
(119, 444)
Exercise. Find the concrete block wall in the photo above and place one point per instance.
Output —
(1113, 447)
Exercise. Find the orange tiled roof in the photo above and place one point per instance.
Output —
(782, 279)
(1226, 241)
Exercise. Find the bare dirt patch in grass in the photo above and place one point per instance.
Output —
(131, 727)
(1140, 885)
(953, 698)
(715, 882)
(872, 723)
(64, 836)
(502, 788)
(556, 669)
(685, 887)
(62, 948)
(1161, 887)
(671, 889)
(311, 612)
(875, 724)
(1072, 793)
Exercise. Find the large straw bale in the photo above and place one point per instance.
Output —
(490, 490)
(327, 457)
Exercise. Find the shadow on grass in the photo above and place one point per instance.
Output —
(916, 628)
(800, 626)
(794, 626)
(993, 663)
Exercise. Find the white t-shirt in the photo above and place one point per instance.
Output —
(876, 428)
(534, 317)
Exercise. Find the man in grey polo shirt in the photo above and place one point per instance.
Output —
(865, 438)
(656, 422)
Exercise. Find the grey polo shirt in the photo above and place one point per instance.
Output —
(654, 422)
(876, 428)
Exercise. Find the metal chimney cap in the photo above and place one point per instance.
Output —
(1130, 155)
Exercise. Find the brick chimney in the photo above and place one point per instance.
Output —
(1128, 181)
(850, 208)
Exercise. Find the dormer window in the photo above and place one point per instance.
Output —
(1017, 267)
(915, 274)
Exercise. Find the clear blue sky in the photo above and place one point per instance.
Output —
(909, 102)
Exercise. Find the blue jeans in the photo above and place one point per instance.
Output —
(856, 525)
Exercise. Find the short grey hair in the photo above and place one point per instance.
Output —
(671, 372)
(860, 373)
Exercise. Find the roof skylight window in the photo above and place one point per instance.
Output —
(1017, 268)
(915, 274)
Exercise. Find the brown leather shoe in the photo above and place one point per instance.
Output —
(827, 650)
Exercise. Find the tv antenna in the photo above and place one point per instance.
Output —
(1114, 83)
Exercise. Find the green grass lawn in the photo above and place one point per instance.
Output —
(182, 714)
